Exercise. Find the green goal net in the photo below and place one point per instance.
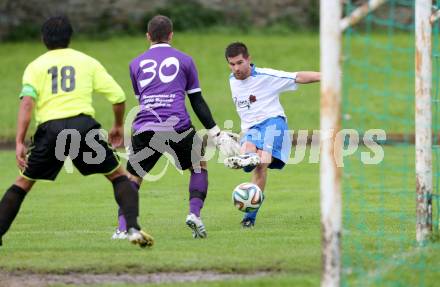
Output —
(379, 245)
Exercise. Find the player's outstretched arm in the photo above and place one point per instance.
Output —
(306, 77)
(24, 119)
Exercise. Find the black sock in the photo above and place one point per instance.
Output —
(9, 207)
(136, 187)
(128, 199)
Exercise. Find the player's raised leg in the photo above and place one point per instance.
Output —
(198, 188)
(247, 159)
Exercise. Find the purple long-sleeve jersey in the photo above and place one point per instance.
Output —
(161, 78)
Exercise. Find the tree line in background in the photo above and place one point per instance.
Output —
(21, 19)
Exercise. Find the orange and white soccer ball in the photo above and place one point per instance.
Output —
(247, 197)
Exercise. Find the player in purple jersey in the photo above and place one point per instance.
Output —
(161, 77)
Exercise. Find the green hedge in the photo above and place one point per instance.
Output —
(187, 15)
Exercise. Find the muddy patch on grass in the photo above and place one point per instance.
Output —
(26, 279)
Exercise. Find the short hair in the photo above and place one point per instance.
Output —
(235, 49)
(56, 32)
(159, 28)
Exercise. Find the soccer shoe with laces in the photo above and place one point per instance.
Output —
(242, 160)
(196, 225)
(119, 234)
(247, 223)
(140, 237)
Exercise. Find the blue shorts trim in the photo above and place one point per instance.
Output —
(272, 136)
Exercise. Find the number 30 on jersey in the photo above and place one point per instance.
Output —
(149, 67)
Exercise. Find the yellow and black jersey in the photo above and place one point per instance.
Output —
(62, 83)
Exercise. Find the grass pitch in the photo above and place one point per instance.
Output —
(66, 226)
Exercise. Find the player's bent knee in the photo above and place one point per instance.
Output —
(265, 157)
(24, 183)
(117, 173)
(247, 147)
(135, 178)
(202, 165)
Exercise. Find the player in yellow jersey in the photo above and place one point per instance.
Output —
(59, 85)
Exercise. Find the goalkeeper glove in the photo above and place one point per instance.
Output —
(226, 142)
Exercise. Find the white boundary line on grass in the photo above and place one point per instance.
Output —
(21, 278)
(62, 231)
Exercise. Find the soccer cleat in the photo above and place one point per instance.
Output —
(140, 237)
(242, 160)
(119, 234)
(196, 225)
(247, 223)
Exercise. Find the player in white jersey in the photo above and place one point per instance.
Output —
(266, 141)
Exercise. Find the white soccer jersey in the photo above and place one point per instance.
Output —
(256, 98)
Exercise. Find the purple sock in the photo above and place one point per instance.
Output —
(198, 188)
(122, 223)
(195, 205)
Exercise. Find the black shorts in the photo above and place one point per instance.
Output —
(78, 137)
(186, 148)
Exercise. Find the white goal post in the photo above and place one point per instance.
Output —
(330, 124)
(423, 113)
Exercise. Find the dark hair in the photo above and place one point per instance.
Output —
(235, 49)
(56, 32)
(159, 28)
